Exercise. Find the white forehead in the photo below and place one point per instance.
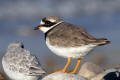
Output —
(52, 20)
(41, 22)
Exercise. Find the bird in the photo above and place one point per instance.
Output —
(20, 64)
(68, 40)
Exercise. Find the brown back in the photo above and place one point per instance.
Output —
(68, 35)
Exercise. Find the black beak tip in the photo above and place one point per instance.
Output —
(35, 28)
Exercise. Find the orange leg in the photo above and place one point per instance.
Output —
(67, 64)
(75, 69)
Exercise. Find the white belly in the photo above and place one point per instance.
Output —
(17, 76)
(74, 52)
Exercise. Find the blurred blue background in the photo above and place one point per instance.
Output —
(101, 18)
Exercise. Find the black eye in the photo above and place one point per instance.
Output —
(48, 22)
(22, 46)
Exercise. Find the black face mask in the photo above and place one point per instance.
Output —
(47, 23)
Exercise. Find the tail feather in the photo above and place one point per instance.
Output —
(102, 41)
(36, 71)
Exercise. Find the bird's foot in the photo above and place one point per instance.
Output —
(66, 72)
(60, 71)
(72, 72)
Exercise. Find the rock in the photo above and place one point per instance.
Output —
(112, 74)
(99, 76)
(2, 77)
(89, 70)
(117, 66)
(109, 74)
(63, 76)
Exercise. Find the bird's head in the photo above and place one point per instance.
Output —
(48, 23)
(15, 45)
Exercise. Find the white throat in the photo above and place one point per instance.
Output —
(45, 29)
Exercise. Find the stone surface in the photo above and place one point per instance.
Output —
(112, 74)
(99, 76)
(63, 76)
(2, 77)
(89, 70)
(109, 74)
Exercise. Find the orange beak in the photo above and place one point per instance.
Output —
(38, 27)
